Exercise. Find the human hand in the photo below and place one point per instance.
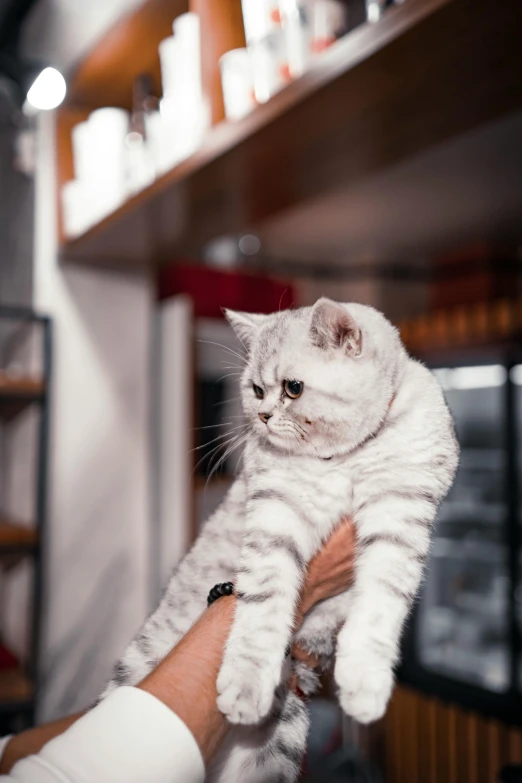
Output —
(330, 572)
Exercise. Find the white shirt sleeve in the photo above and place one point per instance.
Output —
(130, 737)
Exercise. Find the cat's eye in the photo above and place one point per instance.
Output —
(293, 389)
(258, 391)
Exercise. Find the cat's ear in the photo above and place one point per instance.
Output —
(332, 326)
(245, 325)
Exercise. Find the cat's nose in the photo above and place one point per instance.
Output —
(264, 417)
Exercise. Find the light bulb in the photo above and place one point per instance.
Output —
(48, 90)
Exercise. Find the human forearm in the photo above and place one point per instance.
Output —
(186, 679)
(32, 741)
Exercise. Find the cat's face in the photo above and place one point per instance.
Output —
(317, 380)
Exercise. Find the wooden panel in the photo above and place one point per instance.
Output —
(393, 739)
(344, 121)
(17, 387)
(17, 393)
(461, 742)
(411, 756)
(449, 745)
(15, 687)
(472, 747)
(453, 773)
(514, 746)
(16, 536)
(106, 75)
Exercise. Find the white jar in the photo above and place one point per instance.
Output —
(237, 83)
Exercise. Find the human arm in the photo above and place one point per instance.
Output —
(32, 741)
(185, 681)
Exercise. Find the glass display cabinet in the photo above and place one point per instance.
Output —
(463, 639)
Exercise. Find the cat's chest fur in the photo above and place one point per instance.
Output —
(319, 490)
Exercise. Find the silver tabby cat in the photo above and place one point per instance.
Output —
(341, 421)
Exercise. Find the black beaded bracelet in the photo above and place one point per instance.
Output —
(224, 588)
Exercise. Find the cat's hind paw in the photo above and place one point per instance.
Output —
(364, 688)
(244, 698)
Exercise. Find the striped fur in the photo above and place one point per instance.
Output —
(370, 436)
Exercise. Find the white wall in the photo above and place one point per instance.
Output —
(97, 565)
(173, 437)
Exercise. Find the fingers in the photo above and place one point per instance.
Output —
(345, 533)
(312, 661)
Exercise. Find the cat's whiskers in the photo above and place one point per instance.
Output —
(224, 444)
(300, 429)
(220, 436)
(236, 442)
(225, 402)
(221, 424)
(229, 375)
(242, 357)
(230, 365)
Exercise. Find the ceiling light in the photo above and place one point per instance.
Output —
(48, 90)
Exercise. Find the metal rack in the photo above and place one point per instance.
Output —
(19, 688)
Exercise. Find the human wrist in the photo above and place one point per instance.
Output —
(185, 681)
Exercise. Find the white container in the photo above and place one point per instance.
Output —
(77, 212)
(184, 114)
(376, 8)
(169, 63)
(81, 150)
(269, 66)
(296, 28)
(260, 18)
(329, 20)
(154, 131)
(161, 141)
(140, 168)
(189, 86)
(188, 35)
(108, 128)
(237, 83)
(99, 155)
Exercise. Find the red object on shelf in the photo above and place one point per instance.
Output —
(7, 659)
(212, 290)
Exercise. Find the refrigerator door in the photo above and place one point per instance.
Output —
(462, 627)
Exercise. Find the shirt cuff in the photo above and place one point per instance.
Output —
(130, 736)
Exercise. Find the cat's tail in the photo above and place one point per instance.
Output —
(281, 757)
(272, 752)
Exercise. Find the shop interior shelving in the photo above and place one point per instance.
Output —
(20, 540)
(413, 105)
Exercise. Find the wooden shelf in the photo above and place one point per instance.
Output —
(428, 73)
(130, 49)
(16, 538)
(17, 393)
(15, 689)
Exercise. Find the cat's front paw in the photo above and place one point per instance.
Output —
(245, 695)
(365, 687)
